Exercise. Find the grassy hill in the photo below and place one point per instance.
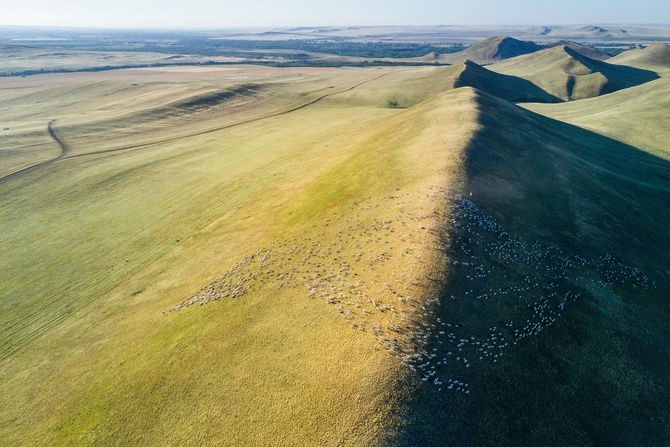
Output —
(655, 57)
(510, 88)
(569, 75)
(105, 245)
(584, 50)
(636, 116)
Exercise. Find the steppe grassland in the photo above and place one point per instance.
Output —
(102, 245)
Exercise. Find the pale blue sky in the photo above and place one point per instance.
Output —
(226, 13)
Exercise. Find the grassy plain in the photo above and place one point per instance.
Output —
(20, 59)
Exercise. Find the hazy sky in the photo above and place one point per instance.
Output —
(225, 13)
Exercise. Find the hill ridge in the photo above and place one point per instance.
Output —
(509, 88)
(531, 181)
(570, 75)
(584, 50)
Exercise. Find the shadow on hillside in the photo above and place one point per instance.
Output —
(620, 76)
(507, 87)
(556, 303)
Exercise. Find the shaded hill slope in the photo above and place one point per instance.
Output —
(655, 57)
(510, 88)
(558, 288)
(637, 116)
(568, 75)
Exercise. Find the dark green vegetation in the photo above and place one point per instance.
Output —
(376, 50)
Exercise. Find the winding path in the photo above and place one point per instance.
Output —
(63, 152)
(64, 147)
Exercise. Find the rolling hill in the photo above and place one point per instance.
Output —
(636, 116)
(261, 256)
(584, 50)
(654, 57)
(226, 277)
(558, 325)
(510, 88)
(569, 75)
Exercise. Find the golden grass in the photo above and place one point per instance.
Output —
(102, 245)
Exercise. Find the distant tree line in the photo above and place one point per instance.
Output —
(375, 50)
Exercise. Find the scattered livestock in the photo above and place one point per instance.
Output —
(488, 292)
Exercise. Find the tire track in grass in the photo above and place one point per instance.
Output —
(63, 152)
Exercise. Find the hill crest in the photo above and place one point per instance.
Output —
(509, 88)
(584, 50)
(494, 49)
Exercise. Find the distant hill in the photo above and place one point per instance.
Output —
(593, 30)
(569, 75)
(584, 50)
(494, 49)
(655, 57)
